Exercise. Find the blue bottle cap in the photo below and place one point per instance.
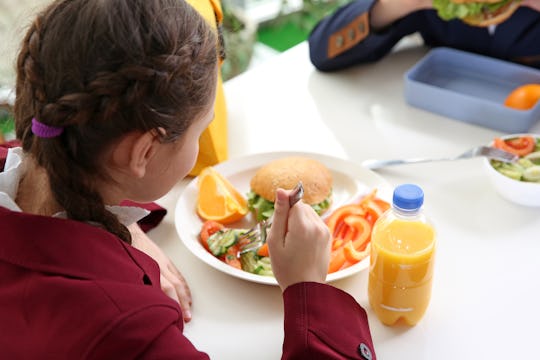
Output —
(408, 197)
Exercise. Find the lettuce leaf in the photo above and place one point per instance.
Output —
(264, 209)
(322, 206)
(448, 10)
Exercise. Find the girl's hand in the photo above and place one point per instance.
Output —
(298, 242)
(533, 4)
(172, 282)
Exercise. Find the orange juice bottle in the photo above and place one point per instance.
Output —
(402, 259)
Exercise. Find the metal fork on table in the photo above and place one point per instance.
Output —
(487, 151)
(256, 236)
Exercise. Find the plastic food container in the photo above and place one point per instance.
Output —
(471, 88)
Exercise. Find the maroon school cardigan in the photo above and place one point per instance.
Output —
(69, 290)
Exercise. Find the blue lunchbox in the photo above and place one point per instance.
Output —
(471, 88)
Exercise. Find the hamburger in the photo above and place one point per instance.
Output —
(476, 12)
(285, 173)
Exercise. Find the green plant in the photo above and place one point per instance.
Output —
(239, 37)
(312, 12)
(7, 125)
(290, 28)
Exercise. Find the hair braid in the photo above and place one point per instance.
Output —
(81, 201)
(125, 65)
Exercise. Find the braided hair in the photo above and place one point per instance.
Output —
(101, 69)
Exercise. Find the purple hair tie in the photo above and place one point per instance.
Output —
(45, 131)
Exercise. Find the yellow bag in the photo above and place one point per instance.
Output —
(213, 146)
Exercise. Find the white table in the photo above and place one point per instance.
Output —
(486, 289)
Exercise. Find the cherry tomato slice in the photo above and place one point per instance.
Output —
(208, 228)
(520, 146)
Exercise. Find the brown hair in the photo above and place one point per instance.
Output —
(101, 69)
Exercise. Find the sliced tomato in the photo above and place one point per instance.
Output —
(520, 146)
(208, 228)
(231, 257)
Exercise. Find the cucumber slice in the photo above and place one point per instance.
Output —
(220, 241)
(534, 157)
(524, 163)
(511, 173)
(255, 264)
(532, 173)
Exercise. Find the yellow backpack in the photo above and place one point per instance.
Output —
(213, 146)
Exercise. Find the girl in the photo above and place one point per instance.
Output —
(111, 98)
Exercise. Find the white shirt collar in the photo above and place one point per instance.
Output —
(9, 184)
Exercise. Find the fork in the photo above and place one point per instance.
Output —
(487, 151)
(256, 236)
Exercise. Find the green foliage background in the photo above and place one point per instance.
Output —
(288, 30)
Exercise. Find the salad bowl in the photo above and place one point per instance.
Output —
(518, 182)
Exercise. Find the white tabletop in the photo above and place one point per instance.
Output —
(486, 289)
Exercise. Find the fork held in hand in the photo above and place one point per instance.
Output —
(296, 194)
(487, 151)
(257, 234)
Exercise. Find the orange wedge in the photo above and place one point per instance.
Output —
(218, 199)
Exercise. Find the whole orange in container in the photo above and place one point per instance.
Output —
(523, 97)
(218, 199)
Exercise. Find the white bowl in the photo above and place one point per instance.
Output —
(519, 192)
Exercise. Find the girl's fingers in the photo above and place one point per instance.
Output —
(281, 214)
(182, 291)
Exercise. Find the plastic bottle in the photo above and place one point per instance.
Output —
(402, 258)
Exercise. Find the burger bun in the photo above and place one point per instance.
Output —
(286, 172)
(486, 19)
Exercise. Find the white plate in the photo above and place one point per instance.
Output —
(351, 181)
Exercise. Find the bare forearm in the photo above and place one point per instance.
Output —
(385, 12)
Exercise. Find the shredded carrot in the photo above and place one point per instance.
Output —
(263, 250)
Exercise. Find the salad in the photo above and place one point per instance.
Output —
(527, 168)
(350, 226)
(226, 244)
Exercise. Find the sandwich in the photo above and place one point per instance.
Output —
(476, 12)
(285, 173)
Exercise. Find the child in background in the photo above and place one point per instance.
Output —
(364, 31)
(111, 98)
